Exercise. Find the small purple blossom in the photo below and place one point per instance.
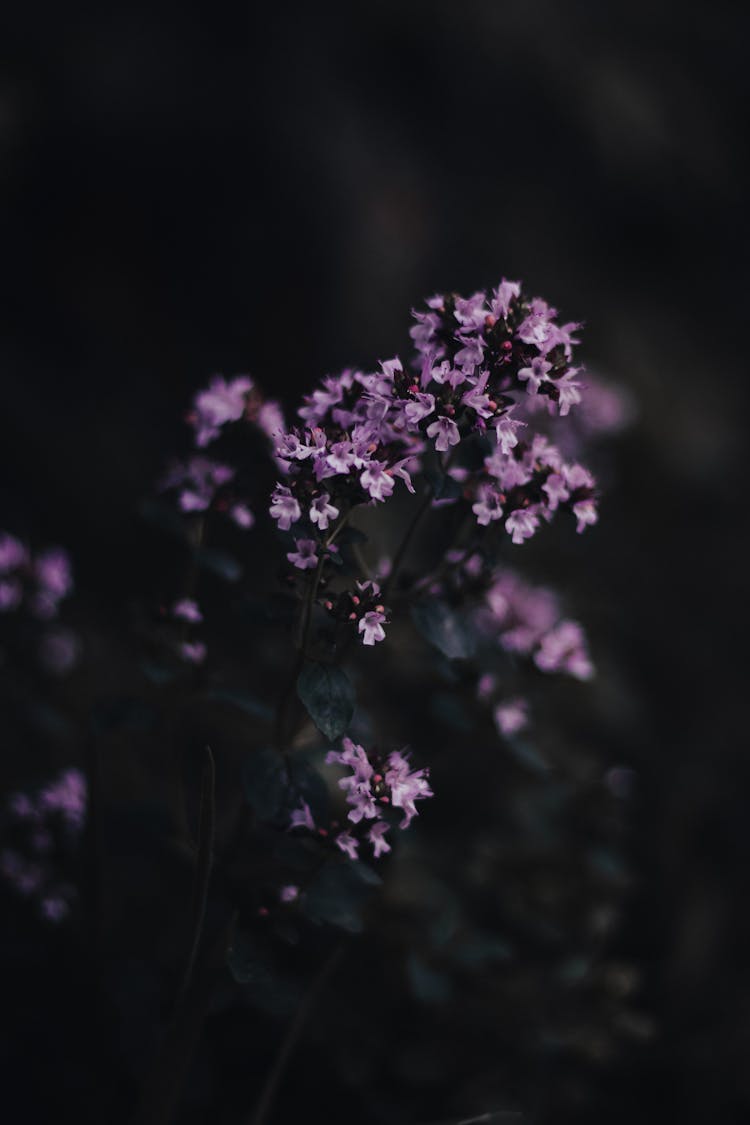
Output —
(322, 511)
(348, 844)
(377, 481)
(242, 516)
(284, 508)
(187, 610)
(302, 818)
(371, 627)
(220, 403)
(511, 716)
(521, 524)
(445, 432)
(289, 893)
(305, 557)
(193, 652)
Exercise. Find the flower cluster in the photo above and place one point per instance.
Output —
(44, 826)
(527, 620)
(187, 611)
(363, 606)
(376, 782)
(40, 581)
(202, 482)
(480, 362)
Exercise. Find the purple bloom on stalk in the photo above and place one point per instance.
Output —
(406, 786)
(302, 818)
(505, 432)
(12, 553)
(535, 375)
(304, 558)
(322, 512)
(445, 432)
(487, 506)
(511, 716)
(53, 573)
(284, 508)
(521, 524)
(193, 652)
(289, 893)
(187, 610)
(371, 626)
(242, 516)
(348, 844)
(11, 593)
(557, 490)
(220, 403)
(67, 796)
(376, 837)
(422, 405)
(376, 481)
(586, 514)
(502, 297)
(563, 649)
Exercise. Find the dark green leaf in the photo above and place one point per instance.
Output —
(427, 984)
(338, 894)
(328, 696)
(245, 960)
(445, 628)
(264, 781)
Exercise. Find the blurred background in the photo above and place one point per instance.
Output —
(270, 189)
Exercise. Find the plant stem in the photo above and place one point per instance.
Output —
(204, 864)
(163, 1089)
(268, 1093)
(405, 543)
(302, 640)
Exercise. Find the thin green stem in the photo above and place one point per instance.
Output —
(268, 1093)
(204, 865)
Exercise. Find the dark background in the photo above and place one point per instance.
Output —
(270, 190)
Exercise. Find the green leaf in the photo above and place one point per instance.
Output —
(245, 960)
(445, 628)
(264, 781)
(427, 984)
(338, 893)
(328, 696)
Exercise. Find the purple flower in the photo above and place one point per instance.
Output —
(563, 649)
(193, 652)
(586, 514)
(290, 893)
(13, 554)
(406, 786)
(557, 490)
(418, 409)
(187, 610)
(502, 297)
(242, 516)
(340, 457)
(68, 796)
(53, 573)
(376, 481)
(302, 818)
(445, 432)
(11, 594)
(322, 511)
(534, 375)
(220, 403)
(304, 558)
(487, 506)
(511, 716)
(522, 524)
(284, 508)
(371, 626)
(505, 432)
(376, 837)
(199, 478)
(348, 844)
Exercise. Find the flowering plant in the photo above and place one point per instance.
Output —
(397, 657)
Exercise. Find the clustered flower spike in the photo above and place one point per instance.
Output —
(44, 825)
(40, 581)
(483, 365)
